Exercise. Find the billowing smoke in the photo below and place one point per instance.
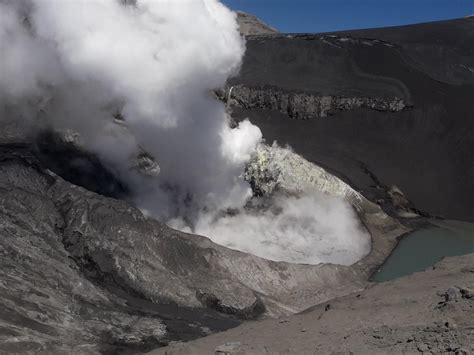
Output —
(138, 76)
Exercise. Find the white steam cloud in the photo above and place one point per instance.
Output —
(309, 229)
(157, 63)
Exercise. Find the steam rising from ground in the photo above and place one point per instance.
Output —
(74, 64)
(309, 229)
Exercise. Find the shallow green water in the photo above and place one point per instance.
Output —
(423, 248)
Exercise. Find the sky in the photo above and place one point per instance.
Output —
(334, 15)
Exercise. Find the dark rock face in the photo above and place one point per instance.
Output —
(305, 106)
(400, 104)
(77, 166)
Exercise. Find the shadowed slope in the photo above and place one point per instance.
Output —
(424, 146)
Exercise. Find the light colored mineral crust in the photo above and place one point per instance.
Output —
(274, 167)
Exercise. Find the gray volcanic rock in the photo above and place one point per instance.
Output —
(407, 315)
(83, 272)
(273, 169)
(305, 106)
(383, 107)
(251, 25)
(49, 301)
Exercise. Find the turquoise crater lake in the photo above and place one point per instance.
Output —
(423, 248)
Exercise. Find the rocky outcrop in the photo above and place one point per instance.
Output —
(251, 25)
(304, 105)
(275, 168)
(53, 301)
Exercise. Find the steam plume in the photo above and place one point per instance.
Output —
(155, 63)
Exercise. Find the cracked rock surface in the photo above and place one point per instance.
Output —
(51, 300)
(303, 105)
